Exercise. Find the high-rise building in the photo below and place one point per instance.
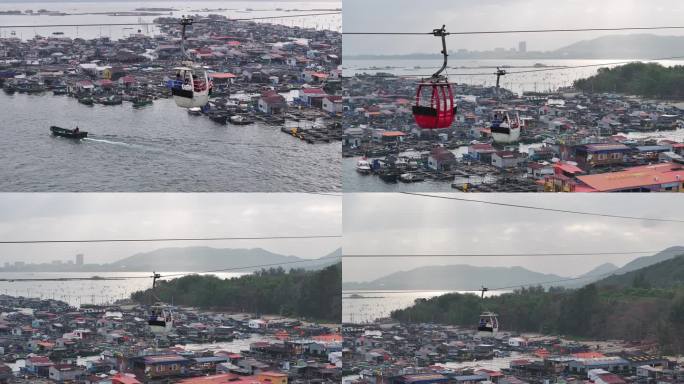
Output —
(522, 47)
(79, 259)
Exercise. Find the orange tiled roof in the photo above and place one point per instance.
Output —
(642, 176)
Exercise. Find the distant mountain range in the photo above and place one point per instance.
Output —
(638, 46)
(601, 270)
(645, 261)
(194, 259)
(667, 272)
(191, 259)
(467, 277)
(633, 46)
(454, 277)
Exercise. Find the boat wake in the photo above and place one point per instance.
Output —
(108, 142)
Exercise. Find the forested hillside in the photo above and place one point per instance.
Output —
(315, 295)
(642, 79)
(601, 312)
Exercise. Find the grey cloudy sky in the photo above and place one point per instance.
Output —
(88, 216)
(393, 223)
(469, 15)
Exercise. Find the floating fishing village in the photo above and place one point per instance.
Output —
(47, 341)
(387, 351)
(561, 141)
(234, 72)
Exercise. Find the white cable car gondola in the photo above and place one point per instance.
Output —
(191, 87)
(489, 324)
(160, 319)
(504, 130)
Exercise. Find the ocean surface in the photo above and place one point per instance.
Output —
(379, 304)
(81, 292)
(463, 71)
(232, 9)
(156, 148)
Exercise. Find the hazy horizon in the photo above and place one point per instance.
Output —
(462, 15)
(64, 216)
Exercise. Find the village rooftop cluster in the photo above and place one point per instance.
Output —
(118, 347)
(390, 352)
(260, 71)
(570, 141)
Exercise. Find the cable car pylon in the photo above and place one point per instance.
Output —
(499, 72)
(155, 276)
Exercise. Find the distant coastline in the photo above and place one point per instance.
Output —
(610, 47)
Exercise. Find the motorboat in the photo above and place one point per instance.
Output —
(240, 120)
(195, 111)
(363, 167)
(69, 133)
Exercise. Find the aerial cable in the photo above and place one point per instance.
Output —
(585, 213)
(322, 259)
(520, 31)
(202, 21)
(157, 276)
(126, 240)
(555, 68)
(543, 254)
(487, 289)
(551, 282)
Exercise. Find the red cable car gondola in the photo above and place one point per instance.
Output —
(435, 107)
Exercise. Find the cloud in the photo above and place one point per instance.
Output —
(591, 229)
(468, 15)
(93, 216)
(378, 223)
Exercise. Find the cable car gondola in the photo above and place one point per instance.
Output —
(488, 325)
(504, 130)
(435, 107)
(191, 86)
(160, 319)
(190, 89)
